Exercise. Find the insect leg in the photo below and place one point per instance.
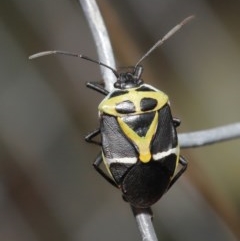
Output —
(90, 136)
(184, 164)
(97, 87)
(97, 164)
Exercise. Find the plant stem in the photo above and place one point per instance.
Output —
(209, 136)
(101, 39)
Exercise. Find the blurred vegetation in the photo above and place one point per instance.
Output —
(48, 188)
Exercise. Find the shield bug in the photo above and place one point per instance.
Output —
(139, 140)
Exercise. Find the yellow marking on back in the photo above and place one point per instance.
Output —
(142, 142)
(108, 105)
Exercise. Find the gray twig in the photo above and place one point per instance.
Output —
(144, 216)
(101, 39)
(209, 136)
(144, 221)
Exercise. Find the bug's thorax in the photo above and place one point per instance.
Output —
(133, 101)
(131, 96)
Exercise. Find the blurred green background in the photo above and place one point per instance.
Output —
(48, 188)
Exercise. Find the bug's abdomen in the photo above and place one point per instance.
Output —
(145, 183)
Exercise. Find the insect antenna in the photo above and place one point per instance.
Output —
(44, 53)
(165, 37)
